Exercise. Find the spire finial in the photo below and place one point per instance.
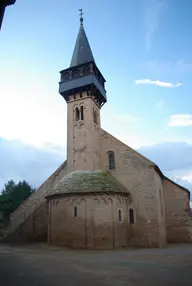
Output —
(81, 16)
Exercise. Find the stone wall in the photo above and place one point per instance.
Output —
(160, 208)
(34, 228)
(30, 217)
(96, 226)
(177, 212)
(83, 135)
(136, 173)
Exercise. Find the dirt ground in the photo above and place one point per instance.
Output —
(43, 265)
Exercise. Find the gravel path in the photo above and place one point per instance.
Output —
(47, 266)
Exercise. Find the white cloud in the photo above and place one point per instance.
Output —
(25, 162)
(123, 126)
(158, 83)
(30, 109)
(179, 120)
(188, 178)
(135, 141)
(174, 159)
(151, 19)
(160, 104)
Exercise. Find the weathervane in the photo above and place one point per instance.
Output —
(81, 15)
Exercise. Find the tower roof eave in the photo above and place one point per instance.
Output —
(80, 65)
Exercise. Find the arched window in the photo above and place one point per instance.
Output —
(86, 70)
(94, 116)
(66, 76)
(111, 158)
(76, 73)
(131, 216)
(75, 211)
(77, 114)
(120, 214)
(81, 111)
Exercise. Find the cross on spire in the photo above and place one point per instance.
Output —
(81, 16)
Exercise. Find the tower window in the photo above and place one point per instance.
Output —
(94, 116)
(131, 216)
(120, 215)
(82, 115)
(76, 73)
(161, 202)
(75, 211)
(66, 76)
(77, 114)
(86, 70)
(111, 158)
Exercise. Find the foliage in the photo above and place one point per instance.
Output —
(12, 196)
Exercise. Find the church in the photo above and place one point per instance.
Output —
(105, 195)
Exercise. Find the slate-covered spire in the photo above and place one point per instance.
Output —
(3, 5)
(83, 75)
(82, 52)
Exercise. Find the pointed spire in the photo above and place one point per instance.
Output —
(82, 52)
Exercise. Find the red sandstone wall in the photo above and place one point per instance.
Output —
(136, 173)
(96, 225)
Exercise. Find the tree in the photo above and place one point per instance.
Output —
(12, 196)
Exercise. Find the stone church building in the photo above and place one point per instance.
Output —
(105, 195)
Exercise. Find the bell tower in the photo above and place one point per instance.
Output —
(83, 87)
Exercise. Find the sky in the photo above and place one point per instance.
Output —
(144, 50)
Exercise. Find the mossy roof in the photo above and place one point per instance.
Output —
(87, 182)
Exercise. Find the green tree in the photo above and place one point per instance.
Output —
(12, 196)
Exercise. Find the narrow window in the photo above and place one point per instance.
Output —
(131, 216)
(75, 211)
(82, 115)
(94, 116)
(66, 76)
(120, 214)
(86, 70)
(161, 202)
(111, 158)
(77, 115)
(76, 73)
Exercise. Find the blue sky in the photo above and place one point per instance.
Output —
(142, 47)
